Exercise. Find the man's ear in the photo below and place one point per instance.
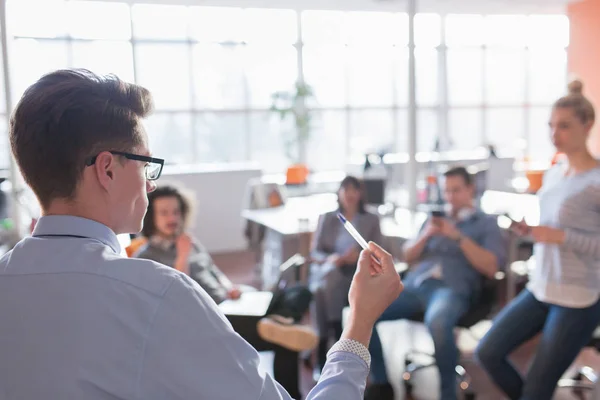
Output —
(105, 169)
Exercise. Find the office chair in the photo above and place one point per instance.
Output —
(478, 312)
(586, 377)
(260, 195)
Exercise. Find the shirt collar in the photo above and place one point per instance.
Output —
(68, 225)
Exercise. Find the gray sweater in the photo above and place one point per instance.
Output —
(202, 267)
(569, 274)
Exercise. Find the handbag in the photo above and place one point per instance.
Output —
(291, 300)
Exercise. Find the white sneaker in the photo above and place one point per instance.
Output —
(283, 332)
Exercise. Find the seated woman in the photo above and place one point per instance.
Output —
(334, 255)
(164, 225)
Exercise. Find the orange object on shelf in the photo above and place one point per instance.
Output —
(296, 174)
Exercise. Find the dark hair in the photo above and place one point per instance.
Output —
(575, 100)
(462, 172)
(185, 206)
(70, 115)
(351, 181)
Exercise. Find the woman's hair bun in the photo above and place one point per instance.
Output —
(575, 87)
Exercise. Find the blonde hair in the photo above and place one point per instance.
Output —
(575, 100)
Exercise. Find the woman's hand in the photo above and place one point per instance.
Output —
(546, 234)
(234, 293)
(351, 256)
(335, 259)
(520, 228)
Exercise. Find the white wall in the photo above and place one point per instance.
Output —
(218, 191)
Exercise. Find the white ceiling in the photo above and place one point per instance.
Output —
(438, 6)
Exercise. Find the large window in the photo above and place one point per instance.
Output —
(502, 82)
(212, 71)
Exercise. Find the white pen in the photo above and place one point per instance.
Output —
(354, 233)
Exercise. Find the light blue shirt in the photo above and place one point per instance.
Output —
(79, 321)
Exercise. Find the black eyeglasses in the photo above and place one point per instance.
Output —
(152, 169)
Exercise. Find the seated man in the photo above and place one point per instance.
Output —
(164, 225)
(448, 259)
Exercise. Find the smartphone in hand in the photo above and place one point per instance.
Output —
(438, 213)
(519, 227)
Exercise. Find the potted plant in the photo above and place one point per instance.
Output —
(294, 104)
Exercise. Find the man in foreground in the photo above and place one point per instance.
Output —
(81, 322)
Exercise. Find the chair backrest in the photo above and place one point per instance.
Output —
(484, 305)
(261, 195)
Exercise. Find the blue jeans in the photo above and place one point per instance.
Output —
(565, 331)
(442, 308)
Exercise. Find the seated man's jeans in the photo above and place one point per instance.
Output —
(565, 331)
(442, 309)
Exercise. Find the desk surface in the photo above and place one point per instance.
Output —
(300, 214)
(517, 205)
(250, 304)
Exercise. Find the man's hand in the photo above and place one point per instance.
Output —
(546, 234)
(234, 293)
(448, 229)
(433, 227)
(372, 290)
(183, 245)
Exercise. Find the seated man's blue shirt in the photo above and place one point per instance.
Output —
(457, 272)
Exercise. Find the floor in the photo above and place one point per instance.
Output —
(240, 267)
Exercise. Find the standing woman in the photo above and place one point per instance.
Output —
(335, 254)
(562, 298)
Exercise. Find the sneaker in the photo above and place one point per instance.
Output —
(283, 332)
(379, 391)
